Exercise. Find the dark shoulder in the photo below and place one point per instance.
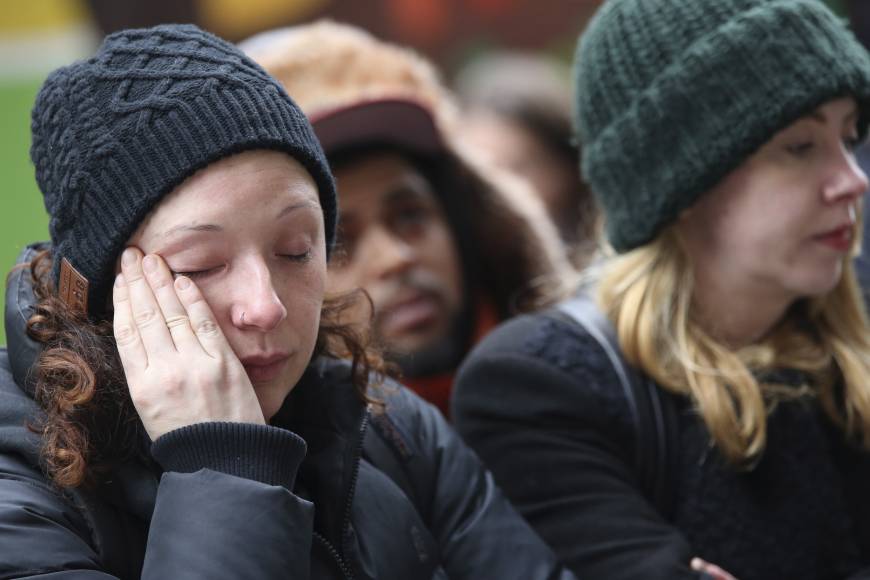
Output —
(28, 497)
(398, 413)
(543, 362)
(7, 381)
(17, 412)
(550, 337)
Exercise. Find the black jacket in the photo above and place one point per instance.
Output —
(348, 493)
(541, 404)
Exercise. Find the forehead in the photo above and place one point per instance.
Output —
(235, 188)
(379, 178)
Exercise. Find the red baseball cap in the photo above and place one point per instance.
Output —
(393, 121)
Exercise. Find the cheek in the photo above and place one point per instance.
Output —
(217, 296)
(302, 296)
(740, 222)
(343, 278)
(442, 255)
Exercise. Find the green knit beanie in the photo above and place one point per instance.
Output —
(672, 95)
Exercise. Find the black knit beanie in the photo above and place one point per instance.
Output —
(115, 133)
(672, 95)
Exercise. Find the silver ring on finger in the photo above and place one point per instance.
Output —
(174, 321)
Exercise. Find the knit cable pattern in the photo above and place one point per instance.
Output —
(115, 133)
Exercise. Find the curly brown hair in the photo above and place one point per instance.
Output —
(90, 423)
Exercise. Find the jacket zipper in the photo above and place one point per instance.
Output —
(355, 475)
(345, 525)
(345, 569)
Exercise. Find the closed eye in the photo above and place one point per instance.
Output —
(799, 149)
(194, 274)
(303, 257)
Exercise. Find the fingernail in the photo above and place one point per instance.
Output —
(182, 283)
(128, 258)
(149, 263)
(119, 280)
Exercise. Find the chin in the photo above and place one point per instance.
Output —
(819, 282)
(271, 395)
(270, 401)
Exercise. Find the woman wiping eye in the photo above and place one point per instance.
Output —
(181, 397)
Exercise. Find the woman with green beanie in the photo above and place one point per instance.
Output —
(703, 406)
(180, 398)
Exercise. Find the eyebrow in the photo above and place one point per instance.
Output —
(196, 228)
(216, 228)
(820, 117)
(297, 206)
(410, 188)
(403, 192)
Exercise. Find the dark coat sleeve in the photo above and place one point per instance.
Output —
(206, 524)
(209, 524)
(479, 534)
(562, 456)
(40, 531)
(42, 534)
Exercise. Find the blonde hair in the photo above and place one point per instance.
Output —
(647, 294)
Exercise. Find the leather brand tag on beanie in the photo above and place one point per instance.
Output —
(73, 287)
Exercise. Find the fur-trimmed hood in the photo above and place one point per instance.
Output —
(327, 66)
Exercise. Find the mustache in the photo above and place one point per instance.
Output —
(400, 288)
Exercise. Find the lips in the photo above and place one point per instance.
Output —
(410, 313)
(838, 239)
(266, 367)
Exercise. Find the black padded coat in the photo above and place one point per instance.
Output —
(364, 494)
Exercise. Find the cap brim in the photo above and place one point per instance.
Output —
(402, 123)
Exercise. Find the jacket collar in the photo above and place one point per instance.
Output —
(326, 411)
(20, 303)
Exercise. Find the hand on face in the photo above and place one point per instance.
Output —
(180, 369)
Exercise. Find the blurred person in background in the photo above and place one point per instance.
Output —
(518, 110)
(444, 245)
(174, 401)
(702, 408)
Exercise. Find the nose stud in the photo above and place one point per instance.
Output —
(242, 319)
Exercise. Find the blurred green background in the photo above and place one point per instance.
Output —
(23, 217)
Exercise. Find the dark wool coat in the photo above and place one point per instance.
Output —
(334, 490)
(541, 404)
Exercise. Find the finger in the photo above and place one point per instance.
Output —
(130, 349)
(174, 314)
(202, 319)
(711, 569)
(143, 304)
(718, 572)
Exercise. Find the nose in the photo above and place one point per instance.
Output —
(847, 182)
(386, 253)
(258, 306)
